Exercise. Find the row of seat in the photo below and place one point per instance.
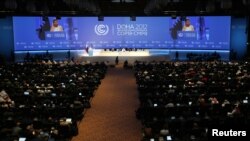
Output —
(45, 101)
(186, 100)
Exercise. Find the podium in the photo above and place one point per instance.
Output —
(187, 35)
(55, 35)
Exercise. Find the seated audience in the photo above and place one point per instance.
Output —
(192, 98)
(42, 101)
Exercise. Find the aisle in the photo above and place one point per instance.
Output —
(112, 115)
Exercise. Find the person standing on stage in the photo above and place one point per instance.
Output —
(116, 60)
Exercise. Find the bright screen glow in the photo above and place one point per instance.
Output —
(73, 33)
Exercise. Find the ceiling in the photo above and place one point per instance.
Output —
(124, 7)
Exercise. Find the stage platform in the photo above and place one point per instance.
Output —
(130, 56)
(101, 55)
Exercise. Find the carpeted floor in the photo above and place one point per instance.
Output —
(112, 115)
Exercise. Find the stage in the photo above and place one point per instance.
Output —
(131, 56)
(100, 55)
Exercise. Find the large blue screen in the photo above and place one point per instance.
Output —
(69, 33)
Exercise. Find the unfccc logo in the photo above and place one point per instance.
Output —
(180, 34)
(101, 29)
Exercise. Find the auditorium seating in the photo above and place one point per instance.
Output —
(185, 100)
(45, 101)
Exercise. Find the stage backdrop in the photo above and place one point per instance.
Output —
(237, 42)
(36, 33)
(239, 36)
(6, 39)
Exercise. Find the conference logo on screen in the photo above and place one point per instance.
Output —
(101, 29)
(180, 34)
